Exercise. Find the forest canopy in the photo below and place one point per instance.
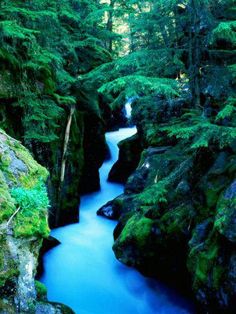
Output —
(67, 69)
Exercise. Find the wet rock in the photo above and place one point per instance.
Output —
(115, 208)
(225, 221)
(52, 308)
(93, 145)
(178, 221)
(48, 244)
(129, 155)
(108, 211)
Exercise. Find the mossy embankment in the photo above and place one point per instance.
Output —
(177, 217)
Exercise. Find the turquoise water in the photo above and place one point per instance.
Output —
(83, 273)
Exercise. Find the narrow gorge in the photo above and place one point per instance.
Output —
(117, 156)
(90, 271)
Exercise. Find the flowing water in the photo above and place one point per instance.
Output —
(82, 271)
(128, 109)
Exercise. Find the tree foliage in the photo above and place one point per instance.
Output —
(45, 45)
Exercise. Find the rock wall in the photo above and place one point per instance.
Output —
(177, 219)
(129, 155)
(87, 138)
(23, 225)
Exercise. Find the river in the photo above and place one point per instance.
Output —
(82, 271)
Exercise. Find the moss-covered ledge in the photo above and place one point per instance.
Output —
(23, 198)
(23, 224)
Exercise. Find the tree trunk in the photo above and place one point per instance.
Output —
(63, 161)
(194, 52)
(110, 24)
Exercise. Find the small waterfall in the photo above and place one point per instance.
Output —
(128, 108)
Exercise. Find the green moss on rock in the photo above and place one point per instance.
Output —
(226, 214)
(35, 172)
(188, 228)
(138, 229)
(7, 204)
(177, 219)
(22, 187)
(32, 217)
(23, 222)
(41, 290)
(202, 260)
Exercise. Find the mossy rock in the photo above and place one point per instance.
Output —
(7, 203)
(23, 221)
(226, 213)
(132, 244)
(202, 260)
(138, 229)
(41, 290)
(20, 172)
(178, 219)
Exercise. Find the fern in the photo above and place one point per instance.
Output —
(225, 31)
(201, 132)
(228, 110)
(10, 29)
(136, 85)
(31, 219)
(156, 193)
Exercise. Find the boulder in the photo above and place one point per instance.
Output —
(129, 155)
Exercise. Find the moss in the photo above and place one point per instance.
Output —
(202, 262)
(205, 261)
(7, 204)
(213, 190)
(35, 171)
(217, 275)
(156, 193)
(32, 217)
(7, 275)
(22, 186)
(5, 161)
(34, 225)
(177, 220)
(225, 213)
(6, 307)
(41, 290)
(137, 228)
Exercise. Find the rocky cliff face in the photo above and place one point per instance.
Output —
(129, 155)
(86, 139)
(23, 225)
(177, 219)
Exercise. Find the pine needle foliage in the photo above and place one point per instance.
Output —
(45, 45)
